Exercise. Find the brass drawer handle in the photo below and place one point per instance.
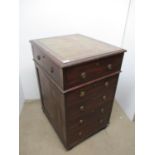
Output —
(102, 110)
(83, 75)
(38, 57)
(82, 93)
(81, 121)
(104, 97)
(82, 108)
(106, 83)
(109, 66)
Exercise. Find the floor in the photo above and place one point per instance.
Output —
(37, 137)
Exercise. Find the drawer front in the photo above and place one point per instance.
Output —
(91, 70)
(86, 114)
(90, 125)
(89, 107)
(45, 62)
(103, 89)
(82, 117)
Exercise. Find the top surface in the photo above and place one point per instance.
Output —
(75, 47)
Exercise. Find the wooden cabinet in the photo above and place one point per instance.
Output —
(77, 77)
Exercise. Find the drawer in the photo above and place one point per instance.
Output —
(92, 124)
(45, 62)
(88, 107)
(85, 72)
(105, 87)
(75, 115)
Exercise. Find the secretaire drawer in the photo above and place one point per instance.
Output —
(85, 72)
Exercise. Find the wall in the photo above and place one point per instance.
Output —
(100, 19)
(21, 96)
(126, 88)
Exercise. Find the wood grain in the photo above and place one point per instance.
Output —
(77, 96)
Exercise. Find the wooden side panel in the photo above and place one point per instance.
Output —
(53, 104)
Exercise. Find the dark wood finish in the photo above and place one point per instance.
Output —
(53, 103)
(97, 89)
(77, 97)
(88, 71)
(97, 104)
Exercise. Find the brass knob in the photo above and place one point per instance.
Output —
(52, 69)
(102, 110)
(104, 97)
(80, 133)
(82, 93)
(101, 121)
(81, 121)
(82, 108)
(38, 57)
(109, 66)
(83, 75)
(106, 83)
